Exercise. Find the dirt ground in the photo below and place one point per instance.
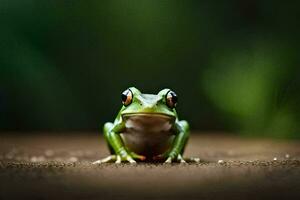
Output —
(58, 166)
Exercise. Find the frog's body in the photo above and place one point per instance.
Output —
(147, 127)
(148, 135)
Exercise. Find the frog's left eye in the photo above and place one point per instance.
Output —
(171, 99)
(127, 97)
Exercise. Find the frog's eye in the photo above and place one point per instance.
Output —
(171, 99)
(127, 97)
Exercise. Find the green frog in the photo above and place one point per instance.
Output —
(146, 128)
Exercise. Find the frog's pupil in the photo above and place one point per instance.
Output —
(174, 98)
(124, 97)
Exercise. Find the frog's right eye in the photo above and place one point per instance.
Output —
(127, 97)
(171, 99)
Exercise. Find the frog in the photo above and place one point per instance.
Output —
(146, 128)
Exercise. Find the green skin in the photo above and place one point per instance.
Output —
(143, 105)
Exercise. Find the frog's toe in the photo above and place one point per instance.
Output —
(169, 160)
(130, 160)
(105, 160)
(180, 159)
(97, 162)
(118, 159)
(137, 156)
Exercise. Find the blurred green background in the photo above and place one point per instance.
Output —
(233, 64)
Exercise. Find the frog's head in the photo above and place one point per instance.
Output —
(162, 104)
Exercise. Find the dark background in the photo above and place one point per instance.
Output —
(233, 64)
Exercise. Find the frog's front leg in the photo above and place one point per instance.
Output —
(116, 146)
(182, 131)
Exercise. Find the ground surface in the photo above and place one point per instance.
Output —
(51, 166)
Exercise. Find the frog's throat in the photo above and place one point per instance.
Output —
(145, 114)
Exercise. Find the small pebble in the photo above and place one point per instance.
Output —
(73, 159)
(37, 159)
(287, 155)
(33, 159)
(220, 161)
(274, 158)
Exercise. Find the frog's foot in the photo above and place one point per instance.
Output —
(116, 158)
(105, 160)
(177, 158)
(120, 158)
(180, 159)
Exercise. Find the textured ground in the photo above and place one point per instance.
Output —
(52, 166)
